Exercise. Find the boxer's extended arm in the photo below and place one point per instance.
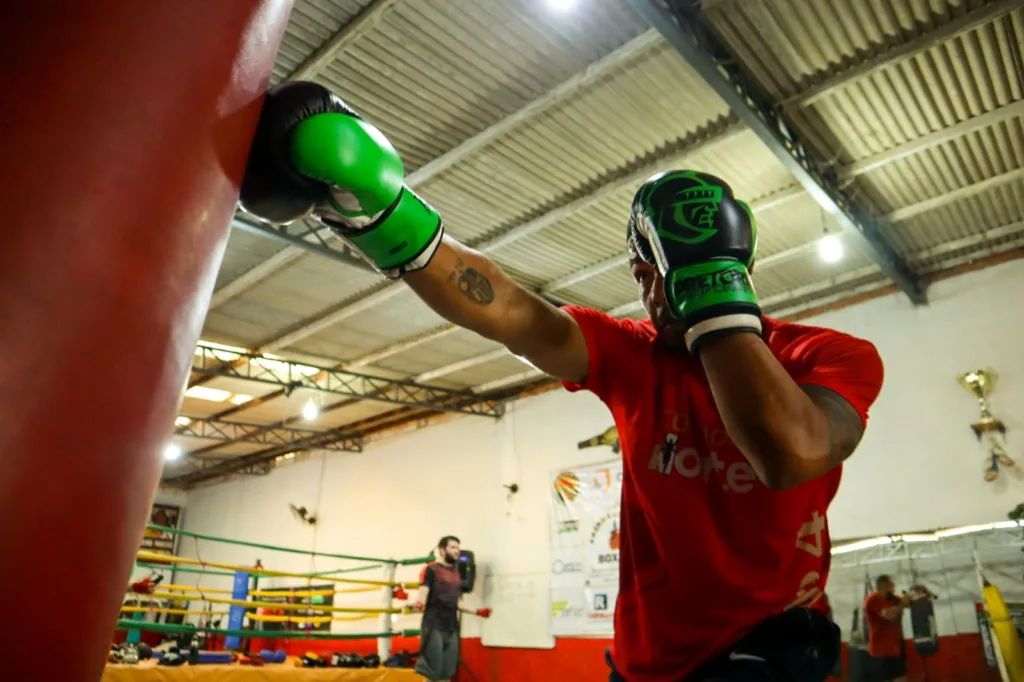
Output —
(789, 433)
(468, 289)
(313, 155)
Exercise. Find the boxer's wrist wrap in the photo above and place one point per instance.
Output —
(402, 239)
(712, 298)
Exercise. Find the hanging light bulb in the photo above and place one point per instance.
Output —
(171, 452)
(310, 411)
(830, 248)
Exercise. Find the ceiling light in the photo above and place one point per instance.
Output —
(310, 411)
(240, 399)
(830, 248)
(171, 452)
(182, 421)
(561, 5)
(214, 395)
(219, 346)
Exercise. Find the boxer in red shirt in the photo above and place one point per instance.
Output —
(734, 426)
(884, 613)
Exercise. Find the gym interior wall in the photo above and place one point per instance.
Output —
(404, 492)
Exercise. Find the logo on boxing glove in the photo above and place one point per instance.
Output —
(683, 206)
(690, 217)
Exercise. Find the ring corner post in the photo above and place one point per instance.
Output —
(386, 627)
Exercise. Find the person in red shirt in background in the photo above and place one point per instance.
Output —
(884, 613)
(734, 426)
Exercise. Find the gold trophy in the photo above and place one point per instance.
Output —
(609, 437)
(981, 383)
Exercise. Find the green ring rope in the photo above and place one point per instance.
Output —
(251, 634)
(275, 548)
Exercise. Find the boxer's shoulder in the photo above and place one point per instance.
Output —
(793, 341)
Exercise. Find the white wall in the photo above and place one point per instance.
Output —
(919, 451)
(919, 467)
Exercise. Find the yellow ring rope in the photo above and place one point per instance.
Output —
(172, 612)
(285, 592)
(154, 557)
(316, 620)
(288, 592)
(186, 588)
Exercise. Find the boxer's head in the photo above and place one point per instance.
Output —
(884, 585)
(448, 549)
(651, 289)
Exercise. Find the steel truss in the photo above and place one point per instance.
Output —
(215, 362)
(272, 435)
(913, 548)
(679, 23)
(308, 235)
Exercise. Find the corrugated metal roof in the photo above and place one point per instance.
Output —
(436, 71)
(244, 252)
(530, 131)
(312, 23)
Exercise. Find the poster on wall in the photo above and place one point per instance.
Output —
(159, 541)
(584, 580)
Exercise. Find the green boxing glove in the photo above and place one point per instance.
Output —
(313, 156)
(702, 240)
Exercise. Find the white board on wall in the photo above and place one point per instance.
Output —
(521, 612)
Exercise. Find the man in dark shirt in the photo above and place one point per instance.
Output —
(440, 600)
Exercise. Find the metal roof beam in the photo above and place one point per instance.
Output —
(719, 68)
(297, 439)
(953, 196)
(401, 346)
(591, 74)
(314, 240)
(931, 140)
(968, 22)
(291, 376)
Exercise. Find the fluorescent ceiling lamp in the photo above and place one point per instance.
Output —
(214, 395)
(240, 399)
(171, 452)
(310, 411)
(182, 421)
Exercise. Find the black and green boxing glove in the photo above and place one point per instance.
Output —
(702, 239)
(313, 156)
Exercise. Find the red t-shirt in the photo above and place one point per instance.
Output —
(885, 637)
(707, 550)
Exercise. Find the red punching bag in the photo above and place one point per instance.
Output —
(124, 132)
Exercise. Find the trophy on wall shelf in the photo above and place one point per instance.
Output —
(981, 383)
(609, 437)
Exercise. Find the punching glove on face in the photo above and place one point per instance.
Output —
(702, 240)
(312, 156)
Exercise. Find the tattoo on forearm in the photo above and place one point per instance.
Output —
(472, 284)
(845, 427)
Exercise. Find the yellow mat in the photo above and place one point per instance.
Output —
(277, 672)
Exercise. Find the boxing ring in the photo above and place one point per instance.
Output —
(186, 618)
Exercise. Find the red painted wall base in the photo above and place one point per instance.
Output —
(960, 659)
